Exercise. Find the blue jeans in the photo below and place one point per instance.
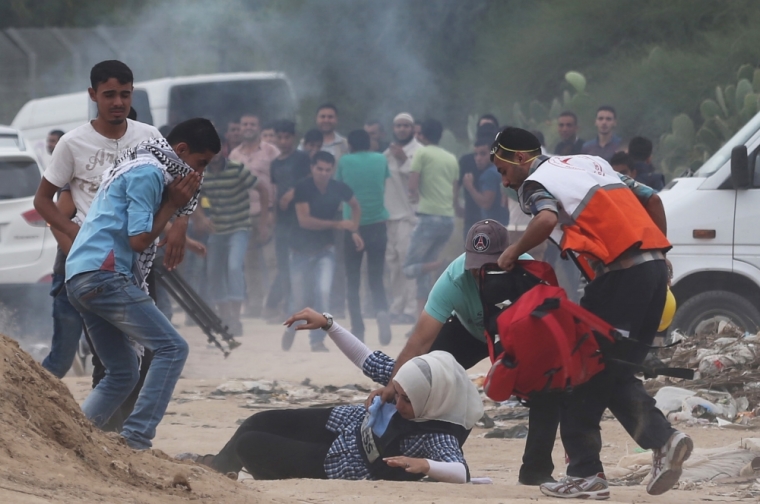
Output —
(428, 239)
(117, 312)
(226, 271)
(67, 329)
(311, 276)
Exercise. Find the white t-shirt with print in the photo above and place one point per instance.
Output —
(83, 154)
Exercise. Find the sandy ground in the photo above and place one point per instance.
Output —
(196, 421)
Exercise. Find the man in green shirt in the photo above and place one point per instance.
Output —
(365, 172)
(432, 180)
(224, 212)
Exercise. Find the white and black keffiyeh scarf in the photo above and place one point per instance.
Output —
(159, 153)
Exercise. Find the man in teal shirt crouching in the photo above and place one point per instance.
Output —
(452, 320)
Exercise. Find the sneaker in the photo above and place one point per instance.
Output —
(593, 487)
(383, 327)
(287, 339)
(319, 347)
(667, 463)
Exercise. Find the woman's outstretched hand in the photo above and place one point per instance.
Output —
(313, 320)
(411, 464)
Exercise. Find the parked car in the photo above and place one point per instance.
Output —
(27, 247)
(11, 139)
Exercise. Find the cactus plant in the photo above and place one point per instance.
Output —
(542, 117)
(733, 106)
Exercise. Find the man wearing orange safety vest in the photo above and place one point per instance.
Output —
(615, 230)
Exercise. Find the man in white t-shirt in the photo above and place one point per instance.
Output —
(78, 162)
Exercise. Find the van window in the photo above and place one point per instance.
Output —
(223, 102)
(18, 179)
(721, 157)
(9, 142)
(141, 104)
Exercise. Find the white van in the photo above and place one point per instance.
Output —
(714, 226)
(219, 97)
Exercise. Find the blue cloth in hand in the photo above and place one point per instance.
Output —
(380, 415)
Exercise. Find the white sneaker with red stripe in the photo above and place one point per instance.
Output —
(592, 487)
(667, 463)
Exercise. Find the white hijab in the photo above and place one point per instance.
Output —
(439, 389)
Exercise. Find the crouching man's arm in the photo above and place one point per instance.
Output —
(179, 192)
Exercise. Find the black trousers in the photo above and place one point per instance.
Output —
(279, 444)
(544, 415)
(375, 238)
(632, 300)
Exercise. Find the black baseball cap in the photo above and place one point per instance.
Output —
(485, 242)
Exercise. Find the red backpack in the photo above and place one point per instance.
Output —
(549, 344)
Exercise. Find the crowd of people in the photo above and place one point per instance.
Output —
(121, 195)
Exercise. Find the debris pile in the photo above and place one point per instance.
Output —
(265, 394)
(726, 385)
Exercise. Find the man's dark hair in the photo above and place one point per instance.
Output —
(567, 113)
(199, 134)
(268, 125)
(249, 114)
(358, 140)
(608, 108)
(56, 132)
(328, 105)
(489, 117)
(110, 69)
(621, 158)
(313, 135)
(285, 126)
(487, 131)
(323, 156)
(433, 130)
(481, 141)
(513, 139)
(372, 122)
(640, 148)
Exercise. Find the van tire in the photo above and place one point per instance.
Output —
(716, 304)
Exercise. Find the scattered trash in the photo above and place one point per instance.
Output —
(241, 387)
(519, 431)
(726, 385)
(680, 404)
(486, 422)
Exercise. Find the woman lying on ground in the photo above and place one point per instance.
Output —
(421, 435)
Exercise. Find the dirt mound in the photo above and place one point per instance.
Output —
(49, 450)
